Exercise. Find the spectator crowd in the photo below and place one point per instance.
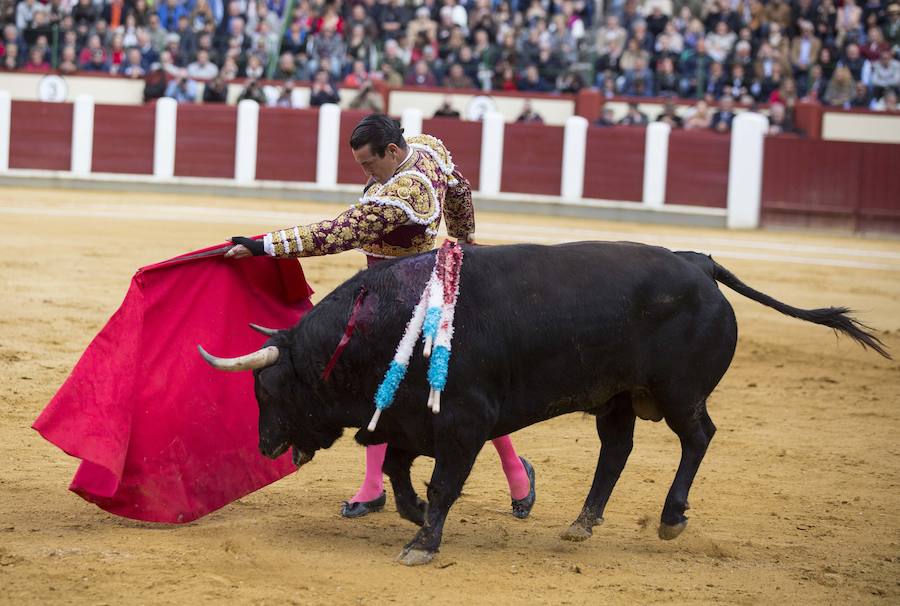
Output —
(841, 53)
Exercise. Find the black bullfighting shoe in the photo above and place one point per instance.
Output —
(364, 508)
(522, 507)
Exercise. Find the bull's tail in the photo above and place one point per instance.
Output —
(836, 318)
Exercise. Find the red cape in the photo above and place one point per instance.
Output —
(162, 436)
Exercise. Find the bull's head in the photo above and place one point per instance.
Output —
(283, 421)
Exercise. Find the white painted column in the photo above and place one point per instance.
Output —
(164, 138)
(82, 134)
(327, 148)
(574, 150)
(656, 161)
(491, 153)
(245, 145)
(411, 122)
(5, 112)
(745, 170)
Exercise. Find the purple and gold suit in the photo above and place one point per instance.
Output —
(393, 219)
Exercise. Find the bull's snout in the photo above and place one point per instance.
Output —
(273, 452)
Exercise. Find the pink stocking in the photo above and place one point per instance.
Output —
(519, 487)
(373, 484)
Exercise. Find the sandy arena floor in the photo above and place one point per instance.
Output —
(796, 502)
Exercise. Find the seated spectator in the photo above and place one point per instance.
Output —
(571, 82)
(117, 54)
(841, 89)
(254, 92)
(97, 63)
(230, 69)
(87, 53)
(695, 66)
(322, 90)
(446, 110)
(149, 55)
(669, 115)
(779, 120)
(738, 85)
(132, 65)
(634, 117)
(202, 68)
(368, 99)
(215, 91)
(389, 75)
(255, 68)
(667, 80)
(528, 114)
(182, 88)
(168, 66)
(287, 67)
(457, 78)
(717, 81)
(36, 63)
(816, 84)
(638, 80)
(888, 103)
(358, 76)
(722, 119)
(858, 65)
(763, 88)
(607, 117)
(532, 82)
(609, 34)
(786, 93)
(891, 27)
(720, 42)
(885, 75)
(420, 75)
(11, 57)
(699, 118)
(67, 64)
(861, 97)
(804, 50)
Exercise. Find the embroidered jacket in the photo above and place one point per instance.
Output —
(397, 218)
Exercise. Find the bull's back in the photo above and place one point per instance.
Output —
(577, 323)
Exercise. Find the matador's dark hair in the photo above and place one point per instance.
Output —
(378, 131)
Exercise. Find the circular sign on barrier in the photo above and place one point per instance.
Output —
(478, 106)
(53, 88)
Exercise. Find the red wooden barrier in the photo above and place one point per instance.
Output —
(205, 140)
(831, 184)
(614, 164)
(348, 170)
(463, 139)
(123, 139)
(697, 173)
(40, 135)
(287, 143)
(532, 159)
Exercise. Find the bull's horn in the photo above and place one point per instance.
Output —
(258, 359)
(269, 332)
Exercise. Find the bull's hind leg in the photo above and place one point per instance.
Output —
(409, 505)
(695, 430)
(616, 431)
(453, 462)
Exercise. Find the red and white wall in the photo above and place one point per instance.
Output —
(742, 180)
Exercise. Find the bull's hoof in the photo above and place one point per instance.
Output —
(415, 557)
(667, 532)
(579, 531)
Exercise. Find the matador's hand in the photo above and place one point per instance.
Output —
(245, 247)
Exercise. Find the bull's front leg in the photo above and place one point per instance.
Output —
(452, 466)
(409, 505)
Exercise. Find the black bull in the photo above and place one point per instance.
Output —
(615, 330)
